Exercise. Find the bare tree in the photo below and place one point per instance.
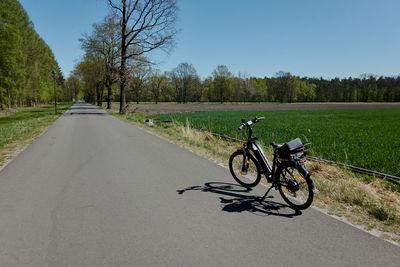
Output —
(145, 25)
(184, 78)
(156, 83)
(245, 87)
(138, 81)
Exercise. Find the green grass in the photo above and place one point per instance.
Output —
(27, 122)
(368, 138)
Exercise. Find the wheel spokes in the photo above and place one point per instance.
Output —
(293, 186)
(248, 170)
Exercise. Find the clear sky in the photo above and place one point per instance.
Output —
(328, 38)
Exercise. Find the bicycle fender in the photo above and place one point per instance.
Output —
(307, 176)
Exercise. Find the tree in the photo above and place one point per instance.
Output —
(223, 83)
(137, 81)
(10, 45)
(184, 79)
(196, 89)
(243, 88)
(306, 92)
(92, 73)
(157, 82)
(104, 42)
(145, 25)
(73, 84)
(286, 87)
(26, 61)
(208, 89)
(260, 89)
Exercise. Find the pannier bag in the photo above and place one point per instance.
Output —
(292, 147)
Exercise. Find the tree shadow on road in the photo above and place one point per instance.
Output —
(235, 198)
(88, 113)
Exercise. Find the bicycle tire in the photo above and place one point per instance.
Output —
(247, 176)
(294, 185)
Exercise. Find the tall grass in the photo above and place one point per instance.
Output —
(368, 138)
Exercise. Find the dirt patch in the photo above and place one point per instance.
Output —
(187, 108)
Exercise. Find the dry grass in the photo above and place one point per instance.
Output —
(11, 150)
(365, 202)
(369, 204)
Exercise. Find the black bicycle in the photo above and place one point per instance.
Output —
(288, 173)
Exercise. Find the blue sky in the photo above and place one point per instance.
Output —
(256, 37)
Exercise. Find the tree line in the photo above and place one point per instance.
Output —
(116, 59)
(26, 61)
(182, 85)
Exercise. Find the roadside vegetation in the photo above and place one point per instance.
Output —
(26, 62)
(362, 200)
(20, 127)
(367, 138)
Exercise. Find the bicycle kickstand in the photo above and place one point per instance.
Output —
(265, 195)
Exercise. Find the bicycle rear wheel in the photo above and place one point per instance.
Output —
(294, 185)
(245, 170)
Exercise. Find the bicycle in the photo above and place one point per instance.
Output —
(288, 173)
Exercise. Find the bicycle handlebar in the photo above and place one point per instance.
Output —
(250, 122)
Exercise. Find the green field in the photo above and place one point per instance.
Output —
(368, 138)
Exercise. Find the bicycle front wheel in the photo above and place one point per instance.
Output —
(245, 169)
(294, 185)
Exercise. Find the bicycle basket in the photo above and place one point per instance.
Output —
(292, 147)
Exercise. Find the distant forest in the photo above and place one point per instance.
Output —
(26, 63)
(183, 85)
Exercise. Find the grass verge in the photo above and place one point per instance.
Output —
(20, 127)
(361, 200)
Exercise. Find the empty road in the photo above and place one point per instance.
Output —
(96, 191)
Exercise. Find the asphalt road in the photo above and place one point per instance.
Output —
(96, 191)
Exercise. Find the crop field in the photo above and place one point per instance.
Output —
(367, 138)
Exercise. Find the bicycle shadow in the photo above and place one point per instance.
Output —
(235, 198)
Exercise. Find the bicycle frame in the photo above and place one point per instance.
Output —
(251, 146)
(259, 154)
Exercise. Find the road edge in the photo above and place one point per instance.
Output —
(29, 142)
(373, 232)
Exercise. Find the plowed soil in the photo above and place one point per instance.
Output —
(185, 108)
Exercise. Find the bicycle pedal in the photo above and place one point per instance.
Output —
(315, 191)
